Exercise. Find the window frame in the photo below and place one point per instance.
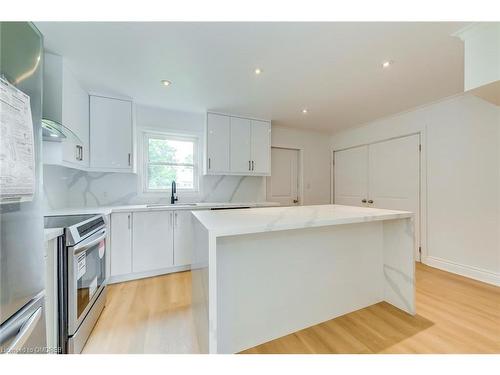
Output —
(146, 136)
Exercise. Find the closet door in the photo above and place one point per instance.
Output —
(351, 176)
(394, 176)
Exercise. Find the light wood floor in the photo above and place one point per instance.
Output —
(454, 315)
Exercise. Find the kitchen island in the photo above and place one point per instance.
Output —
(259, 274)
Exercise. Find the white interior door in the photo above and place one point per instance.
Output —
(283, 184)
(351, 176)
(394, 176)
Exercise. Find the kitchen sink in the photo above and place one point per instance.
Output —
(160, 205)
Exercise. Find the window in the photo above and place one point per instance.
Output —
(170, 158)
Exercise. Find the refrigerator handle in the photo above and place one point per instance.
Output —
(25, 332)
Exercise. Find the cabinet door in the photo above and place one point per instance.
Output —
(110, 133)
(121, 243)
(75, 116)
(351, 176)
(218, 130)
(261, 147)
(240, 145)
(153, 241)
(183, 238)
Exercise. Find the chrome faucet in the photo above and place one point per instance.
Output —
(173, 197)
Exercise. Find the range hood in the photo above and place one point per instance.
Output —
(57, 116)
(53, 131)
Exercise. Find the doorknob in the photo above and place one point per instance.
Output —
(363, 200)
(295, 201)
(370, 201)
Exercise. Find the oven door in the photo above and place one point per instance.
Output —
(86, 277)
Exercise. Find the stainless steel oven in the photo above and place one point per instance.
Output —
(82, 277)
(86, 275)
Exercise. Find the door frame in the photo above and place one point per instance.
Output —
(300, 174)
(422, 181)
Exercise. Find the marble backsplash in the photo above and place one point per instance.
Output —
(66, 187)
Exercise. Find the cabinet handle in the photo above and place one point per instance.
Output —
(79, 152)
(253, 165)
(363, 200)
(249, 165)
(209, 163)
(370, 201)
(129, 159)
(175, 218)
(128, 218)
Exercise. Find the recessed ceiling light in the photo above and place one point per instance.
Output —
(387, 64)
(304, 111)
(258, 71)
(165, 82)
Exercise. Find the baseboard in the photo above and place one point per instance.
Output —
(143, 275)
(463, 270)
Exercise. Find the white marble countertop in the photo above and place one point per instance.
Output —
(235, 222)
(51, 233)
(107, 210)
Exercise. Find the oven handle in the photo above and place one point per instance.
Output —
(89, 242)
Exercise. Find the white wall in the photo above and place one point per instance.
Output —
(316, 161)
(66, 187)
(460, 179)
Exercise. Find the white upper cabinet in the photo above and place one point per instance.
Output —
(241, 130)
(237, 146)
(261, 147)
(217, 150)
(111, 129)
(67, 103)
(482, 60)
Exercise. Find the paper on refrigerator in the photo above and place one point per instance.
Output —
(17, 148)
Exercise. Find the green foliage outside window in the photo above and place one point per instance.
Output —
(169, 160)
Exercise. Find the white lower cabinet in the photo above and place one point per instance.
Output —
(152, 241)
(183, 238)
(121, 244)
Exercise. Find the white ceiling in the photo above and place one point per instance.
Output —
(333, 69)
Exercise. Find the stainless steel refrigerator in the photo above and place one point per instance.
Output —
(22, 310)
